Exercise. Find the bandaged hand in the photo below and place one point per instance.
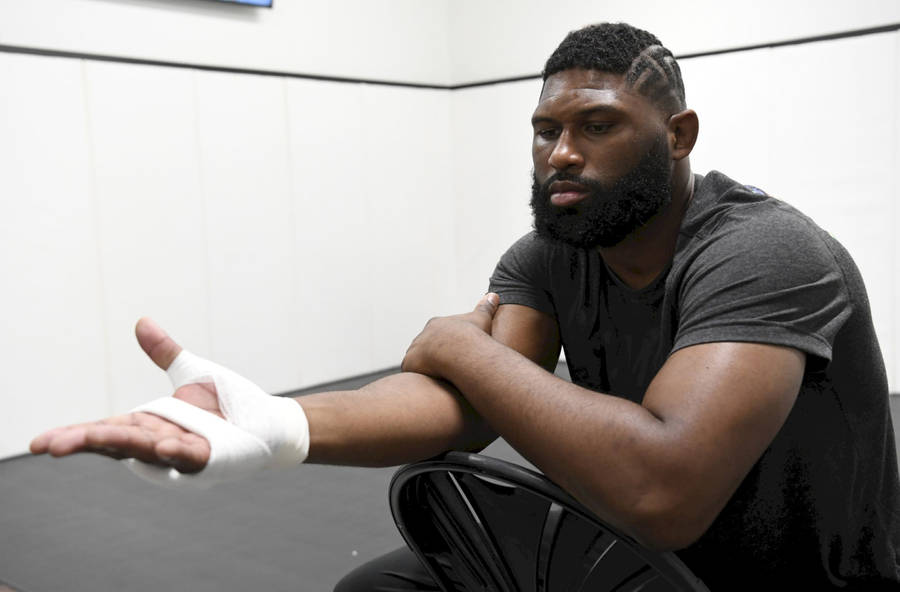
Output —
(217, 421)
(259, 431)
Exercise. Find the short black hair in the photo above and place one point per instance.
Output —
(618, 48)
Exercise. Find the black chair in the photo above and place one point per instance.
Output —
(481, 524)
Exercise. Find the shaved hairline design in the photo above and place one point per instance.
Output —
(655, 74)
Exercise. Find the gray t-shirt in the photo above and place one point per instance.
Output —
(823, 501)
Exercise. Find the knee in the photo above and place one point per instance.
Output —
(345, 584)
(358, 580)
(395, 571)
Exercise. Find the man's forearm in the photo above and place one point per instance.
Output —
(597, 447)
(398, 419)
(661, 470)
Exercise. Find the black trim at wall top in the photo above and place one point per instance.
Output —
(170, 64)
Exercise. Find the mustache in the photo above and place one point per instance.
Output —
(591, 184)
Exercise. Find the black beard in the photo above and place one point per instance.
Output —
(610, 213)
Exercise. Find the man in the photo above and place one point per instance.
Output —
(729, 399)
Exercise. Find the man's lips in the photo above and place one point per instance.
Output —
(566, 193)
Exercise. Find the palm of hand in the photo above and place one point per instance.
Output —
(202, 395)
(144, 436)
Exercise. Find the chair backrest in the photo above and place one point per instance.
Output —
(481, 524)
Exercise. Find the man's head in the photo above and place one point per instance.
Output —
(606, 135)
(617, 48)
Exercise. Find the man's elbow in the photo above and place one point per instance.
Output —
(667, 535)
(664, 521)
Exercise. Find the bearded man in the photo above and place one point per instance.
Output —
(728, 398)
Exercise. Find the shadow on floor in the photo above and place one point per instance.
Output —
(85, 523)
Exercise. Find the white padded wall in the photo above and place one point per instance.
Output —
(843, 176)
(152, 229)
(304, 231)
(491, 179)
(330, 197)
(51, 329)
(894, 261)
(255, 325)
(410, 203)
(264, 222)
(454, 41)
(345, 38)
(731, 94)
(814, 125)
(505, 38)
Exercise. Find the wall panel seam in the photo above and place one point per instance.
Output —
(97, 231)
(353, 80)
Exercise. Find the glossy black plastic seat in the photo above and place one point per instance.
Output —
(481, 524)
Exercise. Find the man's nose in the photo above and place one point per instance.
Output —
(565, 154)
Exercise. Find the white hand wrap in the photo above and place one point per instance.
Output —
(261, 430)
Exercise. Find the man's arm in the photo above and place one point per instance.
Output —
(397, 419)
(409, 416)
(662, 470)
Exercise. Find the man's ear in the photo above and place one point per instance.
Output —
(683, 129)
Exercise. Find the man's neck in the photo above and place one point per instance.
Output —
(645, 253)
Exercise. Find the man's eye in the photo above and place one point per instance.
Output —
(547, 133)
(597, 128)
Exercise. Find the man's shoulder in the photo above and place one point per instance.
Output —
(751, 232)
(748, 216)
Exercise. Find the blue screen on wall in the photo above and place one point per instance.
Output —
(267, 3)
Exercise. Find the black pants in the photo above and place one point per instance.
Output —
(397, 571)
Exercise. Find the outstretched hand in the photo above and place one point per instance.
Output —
(144, 436)
(442, 335)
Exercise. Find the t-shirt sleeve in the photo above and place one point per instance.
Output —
(769, 279)
(523, 274)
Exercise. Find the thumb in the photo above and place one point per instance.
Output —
(488, 304)
(156, 343)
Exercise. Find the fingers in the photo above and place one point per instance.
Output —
(142, 436)
(80, 438)
(488, 304)
(118, 441)
(188, 453)
(156, 343)
(70, 434)
(39, 444)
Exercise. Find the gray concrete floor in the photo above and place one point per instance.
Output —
(85, 523)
